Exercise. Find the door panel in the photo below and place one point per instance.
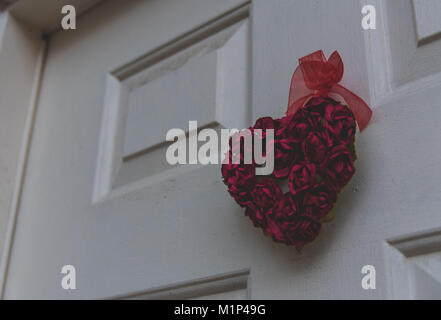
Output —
(98, 194)
(201, 76)
(414, 40)
(143, 236)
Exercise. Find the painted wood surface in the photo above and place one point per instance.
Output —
(19, 50)
(177, 232)
(428, 24)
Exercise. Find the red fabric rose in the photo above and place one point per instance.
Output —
(266, 194)
(234, 173)
(302, 177)
(286, 209)
(241, 192)
(315, 147)
(296, 127)
(286, 225)
(273, 230)
(286, 153)
(302, 231)
(318, 202)
(281, 216)
(239, 178)
(340, 167)
(266, 123)
(241, 146)
(263, 124)
(341, 123)
(318, 104)
(256, 216)
(315, 107)
(337, 112)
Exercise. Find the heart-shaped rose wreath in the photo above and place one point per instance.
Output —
(314, 150)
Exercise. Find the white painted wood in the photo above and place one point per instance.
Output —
(196, 81)
(132, 139)
(167, 102)
(20, 47)
(428, 23)
(149, 230)
(84, 102)
(431, 263)
(418, 244)
(232, 285)
(413, 266)
(412, 57)
(425, 286)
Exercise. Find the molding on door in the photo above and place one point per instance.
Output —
(400, 268)
(378, 54)
(22, 165)
(397, 57)
(117, 169)
(42, 21)
(418, 243)
(184, 41)
(209, 286)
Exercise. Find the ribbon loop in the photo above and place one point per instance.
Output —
(317, 76)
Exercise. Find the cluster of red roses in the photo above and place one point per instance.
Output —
(314, 149)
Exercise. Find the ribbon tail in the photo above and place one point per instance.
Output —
(359, 108)
(293, 107)
(298, 91)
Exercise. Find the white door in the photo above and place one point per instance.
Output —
(98, 194)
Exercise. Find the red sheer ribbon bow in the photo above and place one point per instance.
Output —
(317, 76)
